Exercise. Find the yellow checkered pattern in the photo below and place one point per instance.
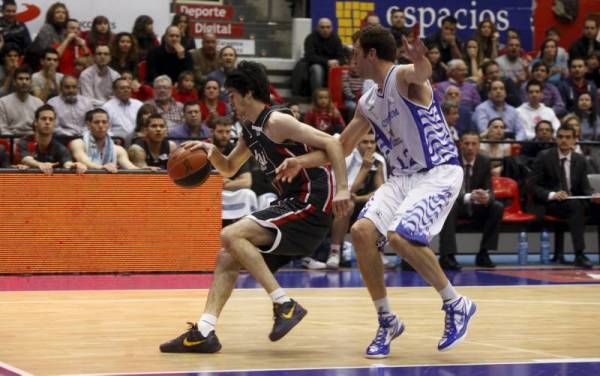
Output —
(349, 16)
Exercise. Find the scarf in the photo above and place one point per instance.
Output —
(102, 157)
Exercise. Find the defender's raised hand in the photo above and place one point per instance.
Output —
(414, 51)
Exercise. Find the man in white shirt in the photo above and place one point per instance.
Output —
(532, 111)
(70, 108)
(17, 109)
(46, 81)
(122, 110)
(96, 80)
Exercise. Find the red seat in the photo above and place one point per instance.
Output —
(334, 84)
(515, 149)
(508, 189)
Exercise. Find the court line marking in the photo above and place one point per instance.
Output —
(375, 365)
(16, 370)
(304, 298)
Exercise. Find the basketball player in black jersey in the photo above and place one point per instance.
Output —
(292, 226)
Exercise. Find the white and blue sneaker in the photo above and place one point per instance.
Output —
(390, 327)
(458, 314)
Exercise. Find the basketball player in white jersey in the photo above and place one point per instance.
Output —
(425, 179)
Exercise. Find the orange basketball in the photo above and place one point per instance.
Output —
(188, 168)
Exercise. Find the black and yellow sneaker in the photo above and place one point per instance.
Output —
(192, 341)
(286, 316)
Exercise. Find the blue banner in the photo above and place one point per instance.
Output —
(347, 16)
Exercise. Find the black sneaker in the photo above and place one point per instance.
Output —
(286, 316)
(192, 341)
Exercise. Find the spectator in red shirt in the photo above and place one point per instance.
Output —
(323, 115)
(70, 49)
(185, 89)
(211, 105)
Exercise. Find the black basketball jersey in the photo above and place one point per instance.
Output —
(162, 158)
(311, 185)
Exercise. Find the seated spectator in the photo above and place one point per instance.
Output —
(490, 71)
(11, 56)
(475, 202)
(192, 126)
(13, 31)
(71, 49)
(366, 171)
(496, 106)
(182, 21)
(70, 108)
(210, 104)
(576, 84)
(96, 149)
(544, 139)
(457, 74)
(205, 58)
(324, 115)
(238, 199)
(511, 64)
(486, 36)
(140, 120)
(17, 109)
(590, 123)
(588, 42)
(550, 95)
(125, 55)
(557, 65)
(592, 62)
(143, 33)
(139, 90)
(154, 149)
(473, 60)
(41, 150)
(51, 33)
(351, 89)
(439, 70)
(185, 89)
(227, 62)
(495, 151)
(96, 81)
(446, 40)
(532, 111)
(464, 122)
(99, 34)
(574, 122)
(559, 173)
(46, 82)
(451, 113)
(122, 110)
(323, 50)
(169, 108)
(170, 58)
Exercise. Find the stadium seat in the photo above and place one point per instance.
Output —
(334, 84)
(508, 190)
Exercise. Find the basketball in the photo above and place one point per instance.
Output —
(188, 168)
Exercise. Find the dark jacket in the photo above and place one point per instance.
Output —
(318, 50)
(160, 62)
(481, 176)
(545, 176)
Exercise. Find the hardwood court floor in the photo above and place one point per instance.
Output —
(99, 332)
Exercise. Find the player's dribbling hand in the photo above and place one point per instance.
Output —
(197, 145)
(287, 170)
(342, 202)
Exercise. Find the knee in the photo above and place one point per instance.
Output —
(224, 257)
(399, 243)
(496, 209)
(363, 232)
(228, 236)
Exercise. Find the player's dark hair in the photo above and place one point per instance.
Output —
(250, 77)
(381, 40)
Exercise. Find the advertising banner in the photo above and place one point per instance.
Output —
(348, 16)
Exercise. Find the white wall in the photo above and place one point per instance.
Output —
(121, 13)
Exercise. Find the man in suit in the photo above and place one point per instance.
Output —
(475, 202)
(559, 173)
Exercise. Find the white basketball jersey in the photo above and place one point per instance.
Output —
(412, 137)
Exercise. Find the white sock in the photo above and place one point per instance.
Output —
(334, 249)
(448, 293)
(382, 306)
(207, 324)
(279, 296)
